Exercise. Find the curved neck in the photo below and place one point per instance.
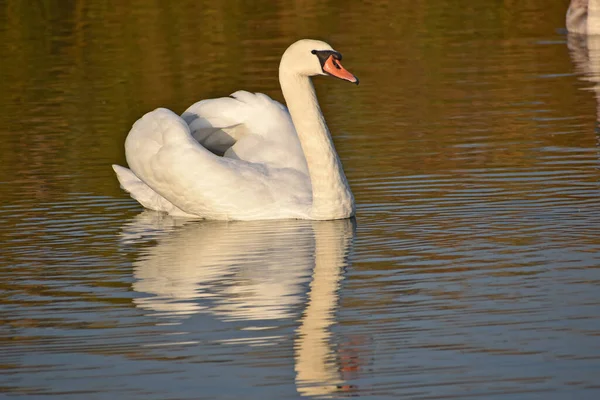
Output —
(332, 198)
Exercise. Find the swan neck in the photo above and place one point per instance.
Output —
(331, 194)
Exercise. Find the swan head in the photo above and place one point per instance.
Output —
(309, 57)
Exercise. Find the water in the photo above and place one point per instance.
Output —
(472, 269)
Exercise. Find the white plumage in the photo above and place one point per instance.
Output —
(583, 17)
(243, 157)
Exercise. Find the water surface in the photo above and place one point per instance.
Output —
(472, 269)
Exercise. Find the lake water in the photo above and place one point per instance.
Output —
(472, 269)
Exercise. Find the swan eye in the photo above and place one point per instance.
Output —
(313, 52)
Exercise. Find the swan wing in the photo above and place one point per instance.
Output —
(247, 126)
(217, 124)
(163, 155)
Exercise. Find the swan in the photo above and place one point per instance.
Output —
(245, 157)
(583, 17)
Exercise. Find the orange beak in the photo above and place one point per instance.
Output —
(333, 67)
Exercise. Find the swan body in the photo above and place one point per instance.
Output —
(583, 17)
(244, 157)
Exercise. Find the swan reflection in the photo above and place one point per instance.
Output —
(585, 53)
(249, 271)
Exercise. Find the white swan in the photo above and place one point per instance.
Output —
(245, 157)
(583, 17)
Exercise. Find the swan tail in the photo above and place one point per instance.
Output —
(144, 195)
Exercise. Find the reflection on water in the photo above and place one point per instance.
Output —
(585, 53)
(249, 271)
